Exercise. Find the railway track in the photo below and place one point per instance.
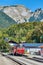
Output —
(19, 63)
(35, 59)
(6, 61)
(23, 60)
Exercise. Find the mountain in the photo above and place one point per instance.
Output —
(37, 15)
(5, 20)
(18, 14)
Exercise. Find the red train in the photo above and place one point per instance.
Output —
(18, 50)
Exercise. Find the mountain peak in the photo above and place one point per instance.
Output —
(20, 13)
(39, 9)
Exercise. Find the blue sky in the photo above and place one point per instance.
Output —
(31, 4)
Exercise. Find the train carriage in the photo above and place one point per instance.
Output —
(18, 50)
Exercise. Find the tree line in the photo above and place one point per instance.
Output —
(30, 32)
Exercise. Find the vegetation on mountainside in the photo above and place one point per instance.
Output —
(31, 32)
(28, 32)
(4, 46)
(5, 20)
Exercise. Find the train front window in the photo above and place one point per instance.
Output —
(20, 45)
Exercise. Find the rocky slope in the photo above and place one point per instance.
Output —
(5, 20)
(22, 14)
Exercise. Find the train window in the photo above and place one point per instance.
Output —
(20, 45)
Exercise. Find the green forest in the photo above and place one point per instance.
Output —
(30, 32)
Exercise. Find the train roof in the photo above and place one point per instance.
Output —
(32, 45)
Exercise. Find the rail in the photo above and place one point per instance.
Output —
(7, 56)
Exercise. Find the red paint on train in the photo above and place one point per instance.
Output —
(18, 50)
